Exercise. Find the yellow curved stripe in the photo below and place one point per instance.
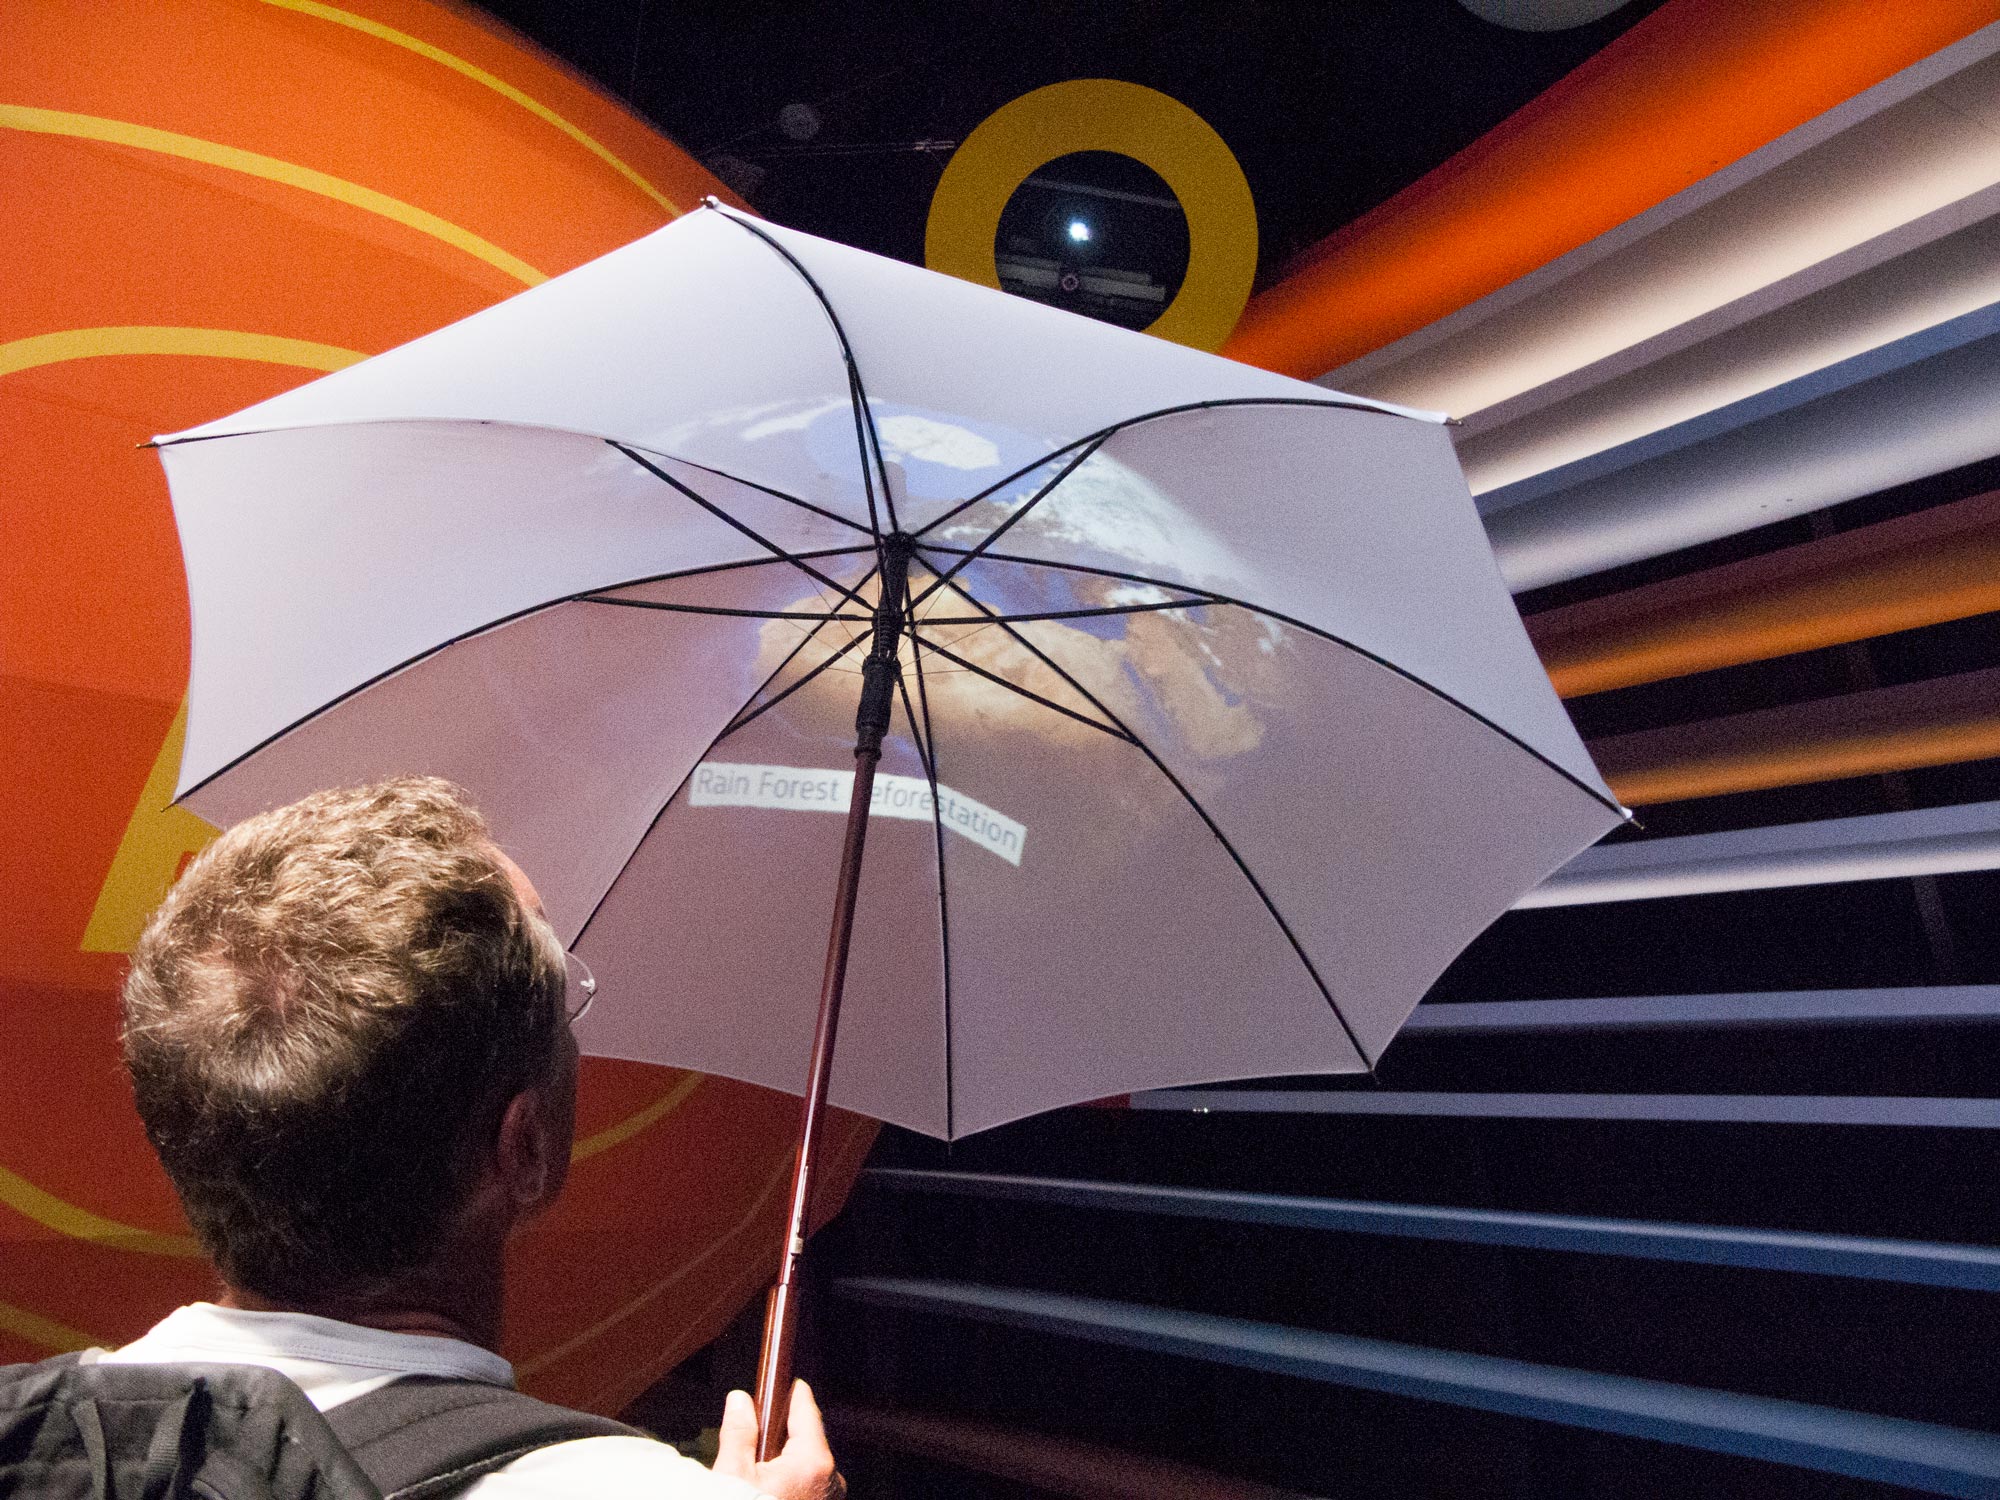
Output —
(735, 1296)
(17, 1192)
(45, 1333)
(158, 837)
(632, 1124)
(658, 1289)
(780, 1178)
(231, 158)
(214, 343)
(30, 1202)
(738, 1293)
(67, 1219)
(479, 75)
(158, 834)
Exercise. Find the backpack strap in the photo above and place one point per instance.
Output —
(422, 1437)
(74, 1429)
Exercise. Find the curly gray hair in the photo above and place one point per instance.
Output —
(329, 1011)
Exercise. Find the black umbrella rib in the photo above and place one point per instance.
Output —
(1119, 733)
(765, 489)
(1201, 812)
(775, 494)
(1067, 567)
(860, 397)
(728, 729)
(927, 746)
(1210, 597)
(857, 394)
(1102, 434)
(864, 424)
(723, 567)
(794, 558)
(479, 630)
(717, 609)
(919, 733)
(1020, 513)
(1194, 601)
(747, 715)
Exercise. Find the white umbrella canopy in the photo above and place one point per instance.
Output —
(1217, 735)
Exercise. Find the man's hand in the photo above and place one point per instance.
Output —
(803, 1469)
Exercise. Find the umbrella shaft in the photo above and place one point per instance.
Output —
(879, 675)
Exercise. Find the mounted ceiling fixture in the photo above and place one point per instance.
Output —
(1542, 15)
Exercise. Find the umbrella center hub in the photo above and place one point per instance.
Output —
(879, 672)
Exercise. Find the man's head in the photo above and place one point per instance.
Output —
(328, 1023)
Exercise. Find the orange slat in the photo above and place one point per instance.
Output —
(1937, 722)
(1939, 564)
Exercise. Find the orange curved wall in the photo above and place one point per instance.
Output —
(1693, 87)
(210, 201)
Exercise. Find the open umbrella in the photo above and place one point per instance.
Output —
(1207, 732)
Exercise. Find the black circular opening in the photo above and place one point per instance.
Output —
(1096, 233)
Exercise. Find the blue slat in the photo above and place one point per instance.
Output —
(1871, 846)
(1969, 1267)
(1887, 1450)
(1871, 364)
(1906, 1006)
(1736, 1109)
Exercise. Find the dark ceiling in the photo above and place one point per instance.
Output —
(1330, 108)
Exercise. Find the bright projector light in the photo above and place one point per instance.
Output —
(1079, 230)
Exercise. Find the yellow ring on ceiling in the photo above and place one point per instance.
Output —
(1103, 114)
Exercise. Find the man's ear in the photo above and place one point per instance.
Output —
(531, 1160)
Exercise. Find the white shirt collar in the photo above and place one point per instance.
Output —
(287, 1341)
